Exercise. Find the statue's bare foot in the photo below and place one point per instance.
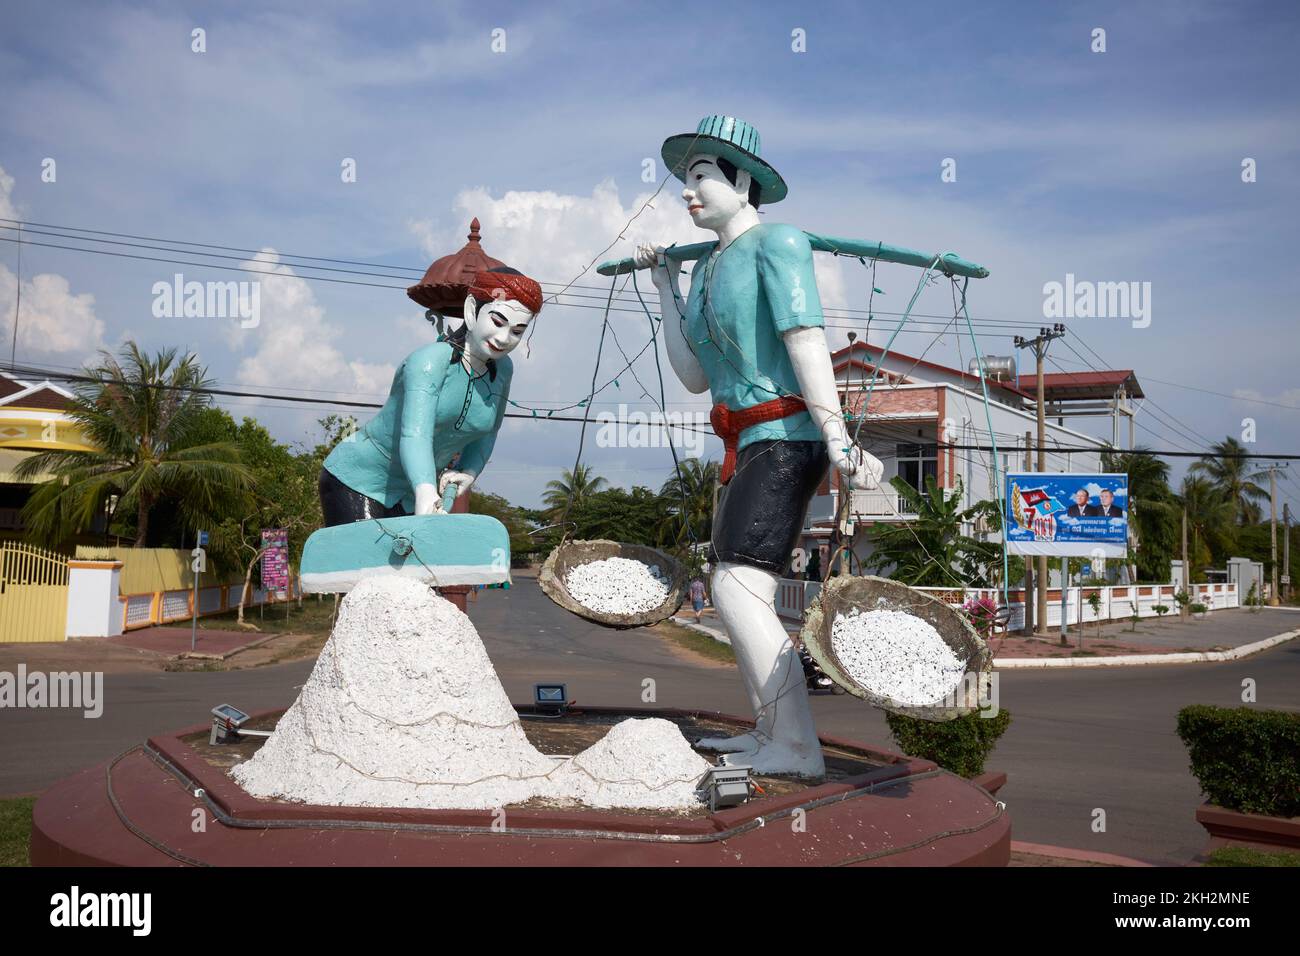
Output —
(727, 745)
(779, 759)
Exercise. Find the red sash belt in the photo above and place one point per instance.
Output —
(728, 424)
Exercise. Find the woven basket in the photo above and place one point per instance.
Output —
(573, 553)
(847, 593)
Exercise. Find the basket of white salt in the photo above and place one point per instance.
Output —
(896, 647)
(614, 584)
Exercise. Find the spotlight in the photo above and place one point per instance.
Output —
(552, 699)
(227, 726)
(726, 786)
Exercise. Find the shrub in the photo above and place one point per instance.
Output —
(961, 745)
(1245, 759)
(982, 614)
(1161, 610)
(1199, 608)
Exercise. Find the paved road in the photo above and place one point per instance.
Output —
(1080, 740)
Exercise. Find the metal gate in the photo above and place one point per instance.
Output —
(33, 594)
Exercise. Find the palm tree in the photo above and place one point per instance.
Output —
(1209, 519)
(140, 414)
(1226, 467)
(932, 550)
(1153, 509)
(572, 487)
(689, 496)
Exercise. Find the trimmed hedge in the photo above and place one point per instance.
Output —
(1246, 759)
(960, 745)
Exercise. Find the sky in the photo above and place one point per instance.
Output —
(1115, 165)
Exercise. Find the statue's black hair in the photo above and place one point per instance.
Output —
(729, 170)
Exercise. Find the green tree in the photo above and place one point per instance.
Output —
(688, 494)
(574, 485)
(1235, 476)
(633, 517)
(140, 413)
(1154, 512)
(932, 550)
(1210, 523)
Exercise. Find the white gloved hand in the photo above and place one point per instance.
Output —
(461, 479)
(650, 256)
(860, 469)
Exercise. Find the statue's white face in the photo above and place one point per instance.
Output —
(711, 199)
(495, 328)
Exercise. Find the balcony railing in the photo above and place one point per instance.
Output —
(880, 504)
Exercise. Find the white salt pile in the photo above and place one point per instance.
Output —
(618, 585)
(639, 763)
(896, 655)
(404, 709)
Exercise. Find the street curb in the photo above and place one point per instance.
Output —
(718, 636)
(1139, 660)
(200, 656)
(1082, 856)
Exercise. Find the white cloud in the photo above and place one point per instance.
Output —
(52, 321)
(294, 345)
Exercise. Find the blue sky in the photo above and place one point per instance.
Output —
(1115, 166)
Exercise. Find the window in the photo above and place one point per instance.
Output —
(916, 461)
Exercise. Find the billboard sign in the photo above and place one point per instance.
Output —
(1067, 514)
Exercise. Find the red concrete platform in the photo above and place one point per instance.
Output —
(138, 810)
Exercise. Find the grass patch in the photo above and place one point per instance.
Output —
(314, 617)
(1246, 856)
(696, 642)
(15, 830)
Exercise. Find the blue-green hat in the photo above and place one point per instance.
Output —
(733, 140)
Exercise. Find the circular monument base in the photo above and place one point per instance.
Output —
(875, 808)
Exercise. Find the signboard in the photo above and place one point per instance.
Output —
(275, 560)
(1067, 515)
(203, 539)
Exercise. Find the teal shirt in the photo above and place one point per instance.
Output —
(415, 435)
(741, 302)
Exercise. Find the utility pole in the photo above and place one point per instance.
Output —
(1273, 600)
(1029, 565)
(1039, 345)
(1185, 611)
(1286, 548)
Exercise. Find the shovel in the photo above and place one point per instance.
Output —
(439, 550)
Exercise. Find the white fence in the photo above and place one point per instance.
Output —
(1117, 603)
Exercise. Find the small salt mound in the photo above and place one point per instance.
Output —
(617, 586)
(896, 655)
(638, 764)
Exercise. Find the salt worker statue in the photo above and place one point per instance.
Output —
(440, 422)
(751, 332)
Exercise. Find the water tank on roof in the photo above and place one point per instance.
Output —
(998, 368)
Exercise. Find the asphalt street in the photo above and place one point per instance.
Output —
(1083, 742)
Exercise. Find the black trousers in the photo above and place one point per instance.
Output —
(341, 505)
(761, 510)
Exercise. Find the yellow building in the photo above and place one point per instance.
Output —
(33, 418)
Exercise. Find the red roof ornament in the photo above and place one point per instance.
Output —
(447, 281)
